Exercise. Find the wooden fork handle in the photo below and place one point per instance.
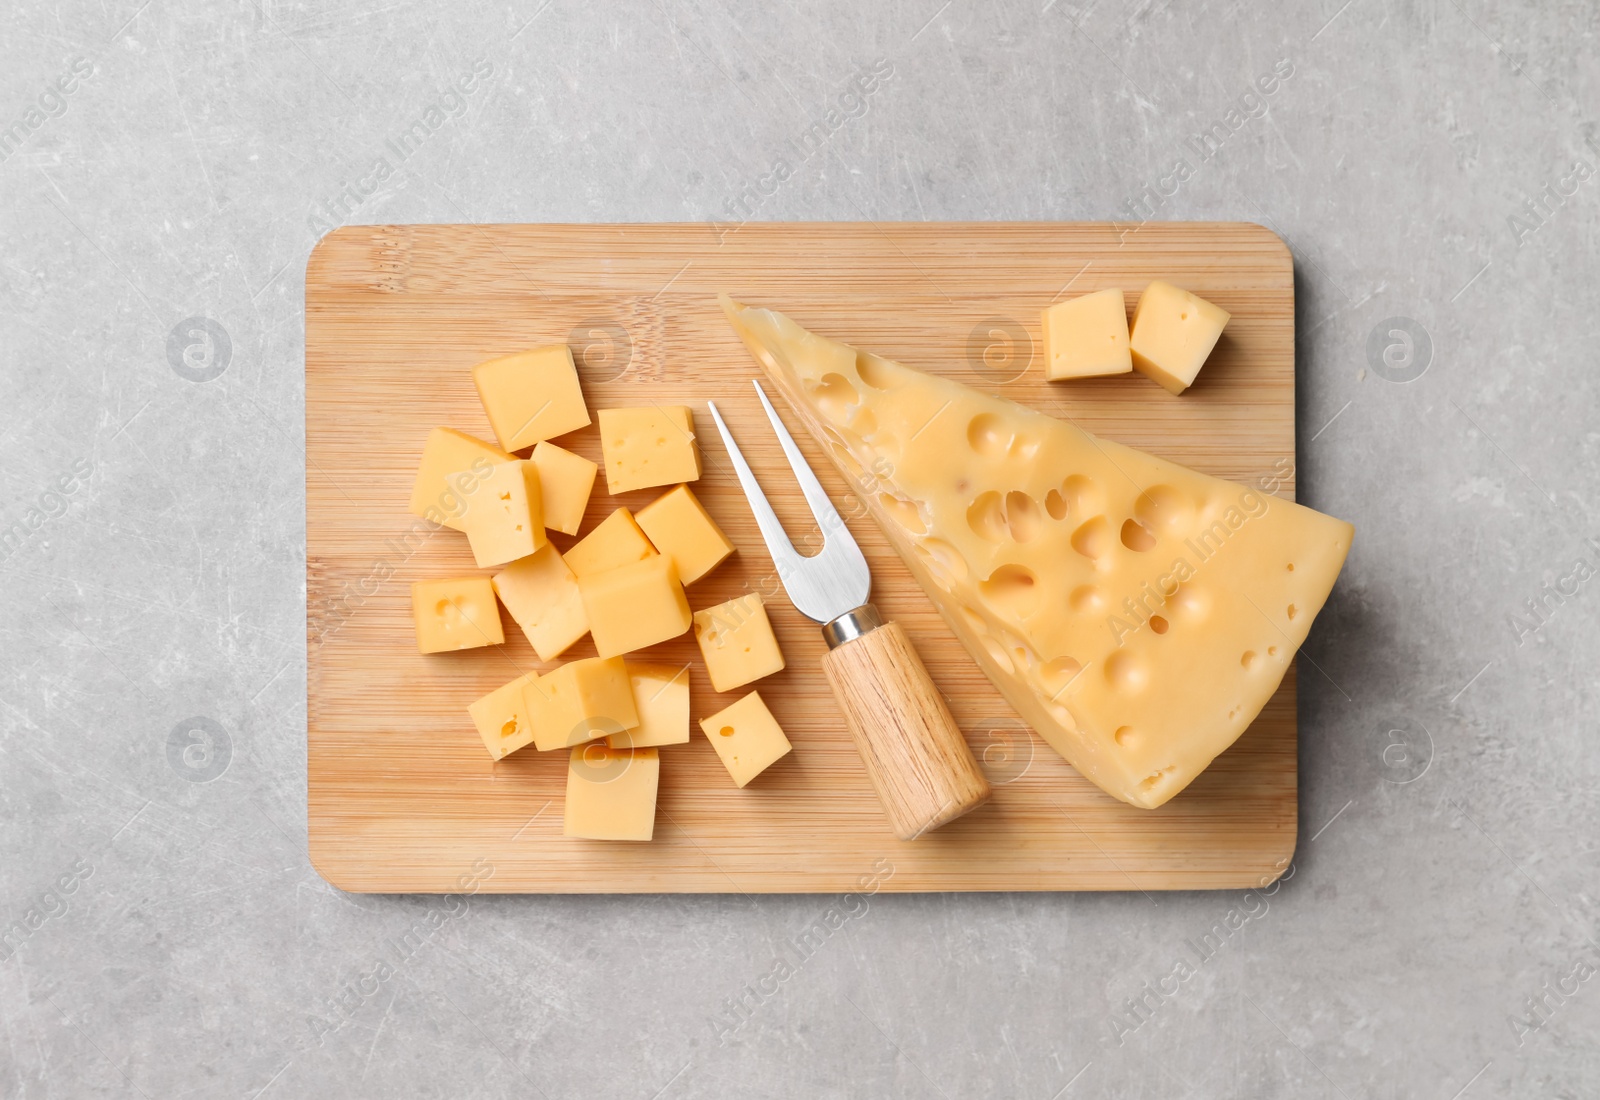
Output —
(915, 755)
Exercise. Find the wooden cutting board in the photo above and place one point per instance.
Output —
(402, 795)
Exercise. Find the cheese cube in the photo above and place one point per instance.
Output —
(1173, 332)
(542, 595)
(502, 717)
(615, 540)
(1086, 337)
(453, 463)
(737, 642)
(565, 481)
(634, 606)
(532, 395)
(661, 696)
(580, 701)
(458, 613)
(680, 528)
(652, 445)
(505, 514)
(611, 793)
(746, 737)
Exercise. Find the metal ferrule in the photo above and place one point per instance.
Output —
(851, 625)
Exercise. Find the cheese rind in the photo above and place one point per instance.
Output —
(502, 718)
(453, 465)
(611, 793)
(455, 613)
(1173, 332)
(1087, 337)
(542, 595)
(737, 642)
(634, 605)
(581, 701)
(661, 696)
(747, 738)
(1137, 614)
(531, 395)
(615, 540)
(505, 514)
(565, 482)
(651, 445)
(678, 525)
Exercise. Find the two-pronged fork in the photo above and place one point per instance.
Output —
(914, 753)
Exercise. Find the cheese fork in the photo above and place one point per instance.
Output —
(914, 753)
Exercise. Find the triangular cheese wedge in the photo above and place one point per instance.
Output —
(1136, 613)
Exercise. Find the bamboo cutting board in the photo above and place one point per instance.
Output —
(402, 795)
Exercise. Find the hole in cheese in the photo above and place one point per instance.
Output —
(1248, 660)
(1082, 495)
(1010, 588)
(1292, 612)
(903, 512)
(726, 731)
(834, 394)
(1126, 672)
(1086, 598)
(1022, 516)
(1055, 504)
(1163, 509)
(988, 435)
(874, 371)
(1125, 736)
(1092, 539)
(1136, 537)
(1158, 624)
(1059, 672)
(997, 653)
(987, 517)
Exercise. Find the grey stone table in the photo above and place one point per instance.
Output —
(1433, 166)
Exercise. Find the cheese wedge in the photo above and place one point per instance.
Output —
(1136, 613)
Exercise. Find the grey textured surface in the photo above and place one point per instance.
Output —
(166, 936)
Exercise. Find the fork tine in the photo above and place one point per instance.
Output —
(772, 531)
(816, 496)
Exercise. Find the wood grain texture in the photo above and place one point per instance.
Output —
(915, 755)
(402, 796)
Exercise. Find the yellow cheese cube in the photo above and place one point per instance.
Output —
(680, 528)
(611, 793)
(457, 613)
(615, 540)
(505, 514)
(634, 606)
(661, 696)
(580, 701)
(652, 445)
(542, 595)
(565, 481)
(1087, 336)
(737, 642)
(532, 395)
(1173, 332)
(453, 464)
(502, 717)
(746, 737)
